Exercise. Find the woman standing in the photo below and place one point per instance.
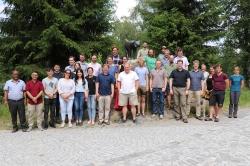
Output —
(236, 82)
(66, 90)
(92, 97)
(208, 93)
(81, 95)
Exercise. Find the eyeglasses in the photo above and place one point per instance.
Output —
(67, 72)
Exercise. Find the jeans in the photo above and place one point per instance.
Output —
(91, 107)
(49, 106)
(78, 104)
(234, 102)
(158, 101)
(17, 107)
(66, 108)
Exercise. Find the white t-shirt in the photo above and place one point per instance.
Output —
(127, 82)
(185, 61)
(97, 68)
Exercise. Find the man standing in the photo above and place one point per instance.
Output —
(150, 60)
(158, 82)
(71, 65)
(179, 86)
(113, 69)
(196, 89)
(58, 75)
(143, 52)
(165, 59)
(128, 83)
(104, 93)
(180, 56)
(34, 91)
(96, 66)
(169, 68)
(116, 56)
(50, 93)
(83, 63)
(14, 91)
(161, 55)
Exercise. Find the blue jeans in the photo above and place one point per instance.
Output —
(91, 107)
(158, 101)
(78, 104)
(234, 103)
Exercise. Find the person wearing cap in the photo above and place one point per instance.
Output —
(161, 55)
(143, 51)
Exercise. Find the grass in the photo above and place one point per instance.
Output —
(5, 120)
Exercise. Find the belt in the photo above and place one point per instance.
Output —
(15, 100)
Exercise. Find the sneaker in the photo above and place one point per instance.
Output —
(40, 128)
(230, 116)
(14, 130)
(161, 116)
(29, 129)
(216, 120)
(208, 119)
(70, 125)
(134, 120)
(235, 116)
(153, 115)
(199, 118)
(100, 123)
(177, 118)
(62, 125)
(124, 120)
(185, 120)
(107, 123)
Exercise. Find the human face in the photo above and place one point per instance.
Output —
(115, 51)
(145, 45)
(77, 66)
(50, 73)
(158, 64)
(218, 69)
(179, 53)
(79, 74)
(71, 61)
(15, 75)
(110, 61)
(82, 58)
(167, 53)
(94, 59)
(179, 65)
(211, 70)
(203, 67)
(127, 68)
(151, 53)
(105, 69)
(90, 72)
(163, 50)
(196, 66)
(141, 63)
(171, 59)
(236, 70)
(57, 68)
(124, 60)
(34, 76)
(67, 74)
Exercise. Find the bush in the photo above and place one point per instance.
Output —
(26, 70)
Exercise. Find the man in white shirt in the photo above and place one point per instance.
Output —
(128, 82)
(180, 56)
(96, 66)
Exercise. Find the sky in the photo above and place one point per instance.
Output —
(123, 7)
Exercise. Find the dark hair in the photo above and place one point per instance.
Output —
(14, 70)
(114, 48)
(57, 65)
(72, 57)
(76, 77)
(178, 49)
(90, 68)
(218, 65)
(65, 71)
(49, 69)
(35, 72)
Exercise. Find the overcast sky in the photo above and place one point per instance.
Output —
(123, 7)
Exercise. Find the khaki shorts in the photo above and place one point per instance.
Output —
(142, 91)
(125, 99)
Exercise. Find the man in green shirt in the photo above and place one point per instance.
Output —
(150, 60)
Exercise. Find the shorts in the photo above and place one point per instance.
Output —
(217, 97)
(125, 99)
(142, 91)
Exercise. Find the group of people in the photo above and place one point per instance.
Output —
(62, 97)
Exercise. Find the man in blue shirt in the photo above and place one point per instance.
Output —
(196, 89)
(14, 90)
(104, 93)
(236, 83)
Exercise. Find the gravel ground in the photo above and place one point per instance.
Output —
(150, 142)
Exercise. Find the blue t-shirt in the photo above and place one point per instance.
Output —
(113, 69)
(236, 82)
(105, 82)
(142, 73)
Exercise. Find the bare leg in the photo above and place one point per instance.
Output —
(143, 100)
(139, 105)
(211, 111)
(124, 112)
(169, 101)
(133, 110)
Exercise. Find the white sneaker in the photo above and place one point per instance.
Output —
(29, 129)
(40, 128)
(70, 125)
(161, 116)
(62, 125)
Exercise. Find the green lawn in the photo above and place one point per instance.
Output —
(244, 102)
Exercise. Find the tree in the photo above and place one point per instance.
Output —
(190, 24)
(45, 32)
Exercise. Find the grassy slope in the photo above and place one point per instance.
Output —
(244, 102)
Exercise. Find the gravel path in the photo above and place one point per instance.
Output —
(150, 142)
